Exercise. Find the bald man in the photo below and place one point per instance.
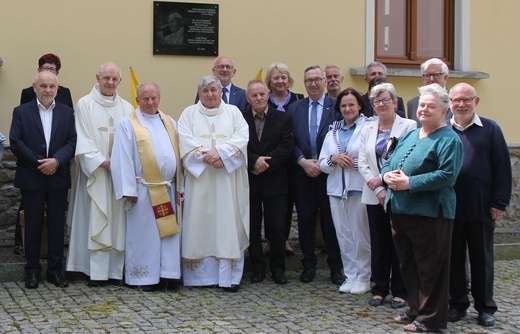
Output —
(483, 191)
(97, 220)
(43, 139)
(224, 69)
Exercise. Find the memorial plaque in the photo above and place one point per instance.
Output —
(182, 28)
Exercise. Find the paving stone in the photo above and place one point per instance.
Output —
(316, 307)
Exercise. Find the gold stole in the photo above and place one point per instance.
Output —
(161, 204)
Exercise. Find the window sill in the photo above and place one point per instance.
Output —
(408, 72)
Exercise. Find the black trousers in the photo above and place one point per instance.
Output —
(289, 213)
(385, 262)
(423, 245)
(478, 238)
(272, 210)
(36, 203)
(308, 199)
(18, 241)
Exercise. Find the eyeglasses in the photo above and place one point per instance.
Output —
(315, 80)
(465, 101)
(50, 69)
(222, 67)
(386, 101)
(429, 75)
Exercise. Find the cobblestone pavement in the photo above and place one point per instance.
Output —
(264, 307)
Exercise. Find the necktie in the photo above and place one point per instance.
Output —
(224, 95)
(313, 128)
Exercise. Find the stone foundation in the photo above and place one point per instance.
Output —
(10, 196)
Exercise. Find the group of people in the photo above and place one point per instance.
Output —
(399, 200)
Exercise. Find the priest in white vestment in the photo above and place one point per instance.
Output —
(96, 219)
(145, 160)
(213, 139)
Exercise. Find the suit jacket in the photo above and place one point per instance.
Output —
(277, 142)
(299, 111)
(367, 160)
(412, 106)
(27, 142)
(368, 110)
(63, 96)
(237, 97)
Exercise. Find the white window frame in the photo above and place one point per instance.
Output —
(462, 34)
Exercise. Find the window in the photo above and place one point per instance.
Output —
(408, 32)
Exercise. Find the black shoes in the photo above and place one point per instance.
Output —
(232, 288)
(18, 250)
(455, 315)
(279, 278)
(57, 280)
(148, 288)
(486, 319)
(95, 283)
(31, 281)
(308, 275)
(397, 303)
(336, 277)
(375, 302)
(257, 277)
(112, 281)
(116, 282)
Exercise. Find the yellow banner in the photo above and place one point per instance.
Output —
(134, 82)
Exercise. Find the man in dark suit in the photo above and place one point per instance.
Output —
(373, 70)
(43, 138)
(52, 63)
(224, 69)
(312, 117)
(271, 144)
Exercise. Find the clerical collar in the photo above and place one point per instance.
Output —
(212, 111)
(110, 98)
(149, 115)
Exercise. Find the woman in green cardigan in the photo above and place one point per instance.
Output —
(421, 203)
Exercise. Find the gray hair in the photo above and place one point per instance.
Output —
(381, 88)
(218, 58)
(332, 66)
(256, 81)
(436, 90)
(101, 69)
(313, 67)
(435, 61)
(36, 77)
(376, 64)
(207, 80)
(148, 83)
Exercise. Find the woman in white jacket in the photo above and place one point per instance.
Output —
(338, 158)
(377, 143)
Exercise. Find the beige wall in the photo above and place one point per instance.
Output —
(255, 33)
